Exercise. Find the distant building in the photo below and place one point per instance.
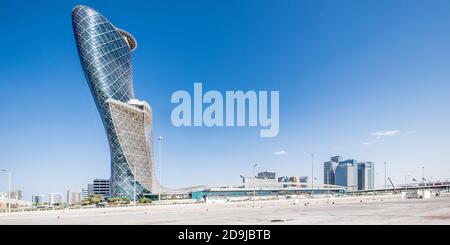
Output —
(255, 182)
(349, 161)
(293, 179)
(38, 199)
(283, 179)
(267, 175)
(84, 193)
(54, 198)
(366, 175)
(73, 197)
(90, 189)
(304, 179)
(336, 159)
(347, 174)
(100, 187)
(16, 195)
(329, 170)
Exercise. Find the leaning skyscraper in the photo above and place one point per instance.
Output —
(105, 55)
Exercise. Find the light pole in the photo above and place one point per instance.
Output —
(254, 184)
(312, 175)
(385, 176)
(9, 189)
(160, 139)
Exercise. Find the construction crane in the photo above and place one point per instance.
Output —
(393, 186)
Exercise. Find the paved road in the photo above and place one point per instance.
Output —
(344, 211)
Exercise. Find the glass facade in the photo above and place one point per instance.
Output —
(366, 175)
(347, 174)
(105, 56)
(329, 170)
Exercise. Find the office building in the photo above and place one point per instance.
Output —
(349, 161)
(267, 175)
(90, 189)
(329, 170)
(38, 199)
(294, 179)
(347, 174)
(336, 159)
(73, 197)
(304, 179)
(283, 179)
(366, 175)
(54, 199)
(16, 195)
(105, 56)
(350, 173)
(84, 193)
(101, 187)
(252, 182)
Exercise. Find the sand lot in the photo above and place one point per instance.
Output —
(387, 210)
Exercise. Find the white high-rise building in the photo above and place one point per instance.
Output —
(54, 198)
(73, 197)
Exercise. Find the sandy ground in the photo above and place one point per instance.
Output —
(382, 210)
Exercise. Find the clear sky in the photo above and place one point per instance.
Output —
(368, 80)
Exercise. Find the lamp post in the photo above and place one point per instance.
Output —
(160, 139)
(254, 184)
(312, 175)
(9, 188)
(385, 176)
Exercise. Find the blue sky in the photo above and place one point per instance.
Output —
(364, 79)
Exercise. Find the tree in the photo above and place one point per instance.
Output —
(118, 200)
(145, 200)
(92, 199)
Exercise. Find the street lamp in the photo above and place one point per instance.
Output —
(9, 188)
(254, 184)
(160, 139)
(385, 176)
